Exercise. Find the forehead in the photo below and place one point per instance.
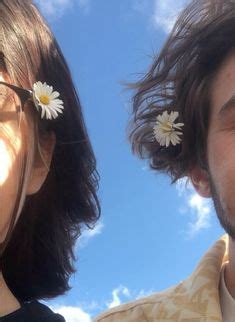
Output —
(223, 85)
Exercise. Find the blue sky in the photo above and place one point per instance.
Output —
(151, 233)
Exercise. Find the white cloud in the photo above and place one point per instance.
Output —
(88, 234)
(161, 13)
(85, 5)
(166, 12)
(116, 294)
(72, 313)
(56, 8)
(122, 294)
(84, 312)
(200, 209)
(143, 293)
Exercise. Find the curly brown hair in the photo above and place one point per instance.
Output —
(179, 80)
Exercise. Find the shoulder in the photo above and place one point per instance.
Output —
(41, 311)
(195, 298)
(142, 310)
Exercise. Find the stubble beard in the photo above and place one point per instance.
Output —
(222, 213)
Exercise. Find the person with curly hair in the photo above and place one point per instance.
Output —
(48, 176)
(183, 123)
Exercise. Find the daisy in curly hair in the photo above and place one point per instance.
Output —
(166, 131)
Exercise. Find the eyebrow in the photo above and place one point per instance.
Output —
(227, 106)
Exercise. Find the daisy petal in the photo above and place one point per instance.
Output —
(55, 95)
(43, 112)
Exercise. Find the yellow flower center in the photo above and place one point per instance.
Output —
(44, 99)
(167, 127)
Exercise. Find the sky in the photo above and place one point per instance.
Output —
(151, 234)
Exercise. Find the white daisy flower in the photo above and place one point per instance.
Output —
(47, 100)
(166, 131)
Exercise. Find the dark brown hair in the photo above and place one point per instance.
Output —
(179, 80)
(38, 259)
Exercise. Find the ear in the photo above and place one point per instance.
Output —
(42, 162)
(200, 180)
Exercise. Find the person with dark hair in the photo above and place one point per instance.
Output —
(183, 122)
(48, 176)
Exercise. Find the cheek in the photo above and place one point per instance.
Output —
(5, 163)
(221, 159)
(10, 152)
(10, 148)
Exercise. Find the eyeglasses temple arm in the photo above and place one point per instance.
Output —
(24, 94)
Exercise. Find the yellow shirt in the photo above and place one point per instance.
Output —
(194, 300)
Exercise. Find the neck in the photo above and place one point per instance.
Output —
(8, 302)
(229, 275)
